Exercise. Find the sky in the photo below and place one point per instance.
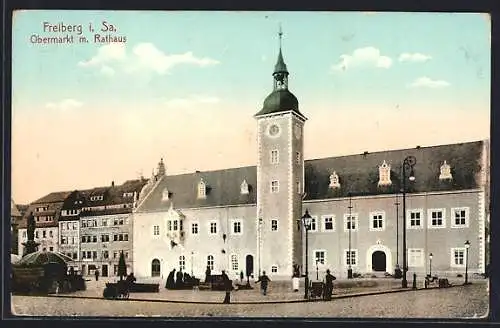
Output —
(184, 86)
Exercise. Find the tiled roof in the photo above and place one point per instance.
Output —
(14, 211)
(53, 197)
(358, 174)
(53, 209)
(223, 188)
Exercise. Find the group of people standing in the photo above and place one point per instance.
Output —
(180, 280)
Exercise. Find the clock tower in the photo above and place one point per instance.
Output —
(280, 177)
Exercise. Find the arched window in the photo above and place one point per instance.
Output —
(182, 262)
(155, 268)
(210, 262)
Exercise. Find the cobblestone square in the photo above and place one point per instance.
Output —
(457, 302)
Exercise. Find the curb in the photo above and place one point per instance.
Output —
(334, 297)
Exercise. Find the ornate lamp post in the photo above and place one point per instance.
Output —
(349, 268)
(192, 254)
(467, 245)
(306, 221)
(430, 265)
(397, 270)
(317, 272)
(408, 164)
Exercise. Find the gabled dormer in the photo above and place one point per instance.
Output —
(445, 172)
(384, 174)
(244, 187)
(165, 194)
(202, 189)
(334, 181)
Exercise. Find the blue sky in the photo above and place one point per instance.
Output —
(197, 68)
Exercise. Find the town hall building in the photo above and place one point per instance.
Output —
(248, 219)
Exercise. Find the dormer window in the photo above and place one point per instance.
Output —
(128, 194)
(384, 172)
(445, 172)
(244, 187)
(202, 189)
(165, 194)
(334, 180)
(94, 198)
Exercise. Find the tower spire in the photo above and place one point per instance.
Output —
(280, 71)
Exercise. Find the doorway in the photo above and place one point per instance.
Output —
(249, 265)
(379, 261)
(104, 270)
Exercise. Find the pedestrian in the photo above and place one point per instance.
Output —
(264, 281)
(227, 287)
(207, 274)
(178, 280)
(170, 284)
(241, 276)
(329, 278)
(96, 272)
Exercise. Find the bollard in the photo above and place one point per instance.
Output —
(414, 281)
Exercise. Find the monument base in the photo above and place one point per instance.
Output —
(30, 246)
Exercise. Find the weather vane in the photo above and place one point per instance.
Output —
(280, 34)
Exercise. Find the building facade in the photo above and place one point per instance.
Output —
(69, 226)
(249, 219)
(46, 211)
(15, 217)
(105, 227)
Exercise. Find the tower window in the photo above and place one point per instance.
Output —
(275, 186)
(274, 225)
(274, 156)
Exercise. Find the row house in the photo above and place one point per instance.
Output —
(105, 227)
(46, 211)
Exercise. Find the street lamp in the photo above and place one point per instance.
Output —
(349, 268)
(192, 253)
(467, 245)
(430, 265)
(397, 270)
(408, 164)
(306, 221)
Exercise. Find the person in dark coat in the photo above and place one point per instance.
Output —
(227, 287)
(178, 280)
(130, 279)
(170, 280)
(329, 278)
(264, 281)
(96, 275)
(207, 274)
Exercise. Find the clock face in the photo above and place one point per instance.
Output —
(274, 130)
(297, 131)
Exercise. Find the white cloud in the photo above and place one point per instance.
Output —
(426, 82)
(191, 100)
(142, 58)
(109, 53)
(106, 70)
(414, 57)
(65, 104)
(363, 57)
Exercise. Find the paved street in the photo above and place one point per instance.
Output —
(457, 302)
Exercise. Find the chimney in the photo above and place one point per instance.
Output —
(418, 147)
(365, 153)
(112, 183)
